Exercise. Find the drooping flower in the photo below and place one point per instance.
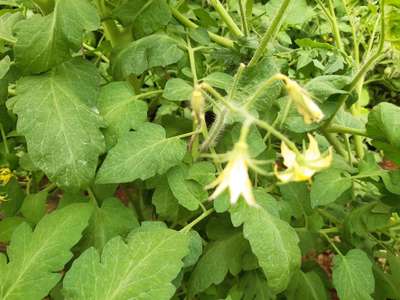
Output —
(235, 176)
(304, 104)
(303, 167)
(5, 175)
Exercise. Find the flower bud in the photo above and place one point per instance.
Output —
(304, 104)
(198, 104)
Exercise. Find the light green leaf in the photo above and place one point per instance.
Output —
(44, 42)
(141, 269)
(121, 109)
(202, 172)
(141, 154)
(56, 115)
(307, 286)
(155, 50)
(4, 66)
(188, 192)
(7, 227)
(328, 186)
(219, 258)
(34, 206)
(7, 23)
(177, 89)
(147, 16)
(219, 80)
(36, 257)
(274, 243)
(108, 221)
(383, 123)
(324, 86)
(352, 276)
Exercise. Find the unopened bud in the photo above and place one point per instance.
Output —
(198, 104)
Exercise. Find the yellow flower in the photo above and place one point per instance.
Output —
(235, 177)
(5, 175)
(3, 197)
(304, 104)
(303, 167)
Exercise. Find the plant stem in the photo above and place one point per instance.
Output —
(92, 197)
(270, 34)
(364, 68)
(97, 53)
(335, 27)
(333, 140)
(226, 18)
(192, 61)
(46, 6)
(343, 129)
(4, 138)
(243, 16)
(110, 28)
(331, 243)
(204, 215)
(250, 117)
(223, 41)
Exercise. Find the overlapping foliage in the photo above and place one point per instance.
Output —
(121, 119)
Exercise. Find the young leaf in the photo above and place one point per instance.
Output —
(352, 276)
(36, 257)
(274, 243)
(4, 66)
(177, 89)
(328, 186)
(121, 109)
(219, 258)
(44, 42)
(167, 206)
(149, 52)
(141, 269)
(147, 16)
(141, 154)
(108, 221)
(55, 113)
(34, 206)
(188, 192)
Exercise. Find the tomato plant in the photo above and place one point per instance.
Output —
(177, 149)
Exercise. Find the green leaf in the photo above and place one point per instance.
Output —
(141, 269)
(15, 196)
(4, 66)
(307, 286)
(188, 192)
(167, 206)
(352, 276)
(202, 172)
(328, 186)
(7, 23)
(110, 220)
(34, 206)
(383, 124)
(324, 86)
(121, 109)
(44, 42)
(219, 258)
(146, 16)
(177, 89)
(36, 257)
(62, 128)
(141, 154)
(219, 80)
(7, 227)
(274, 243)
(155, 50)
